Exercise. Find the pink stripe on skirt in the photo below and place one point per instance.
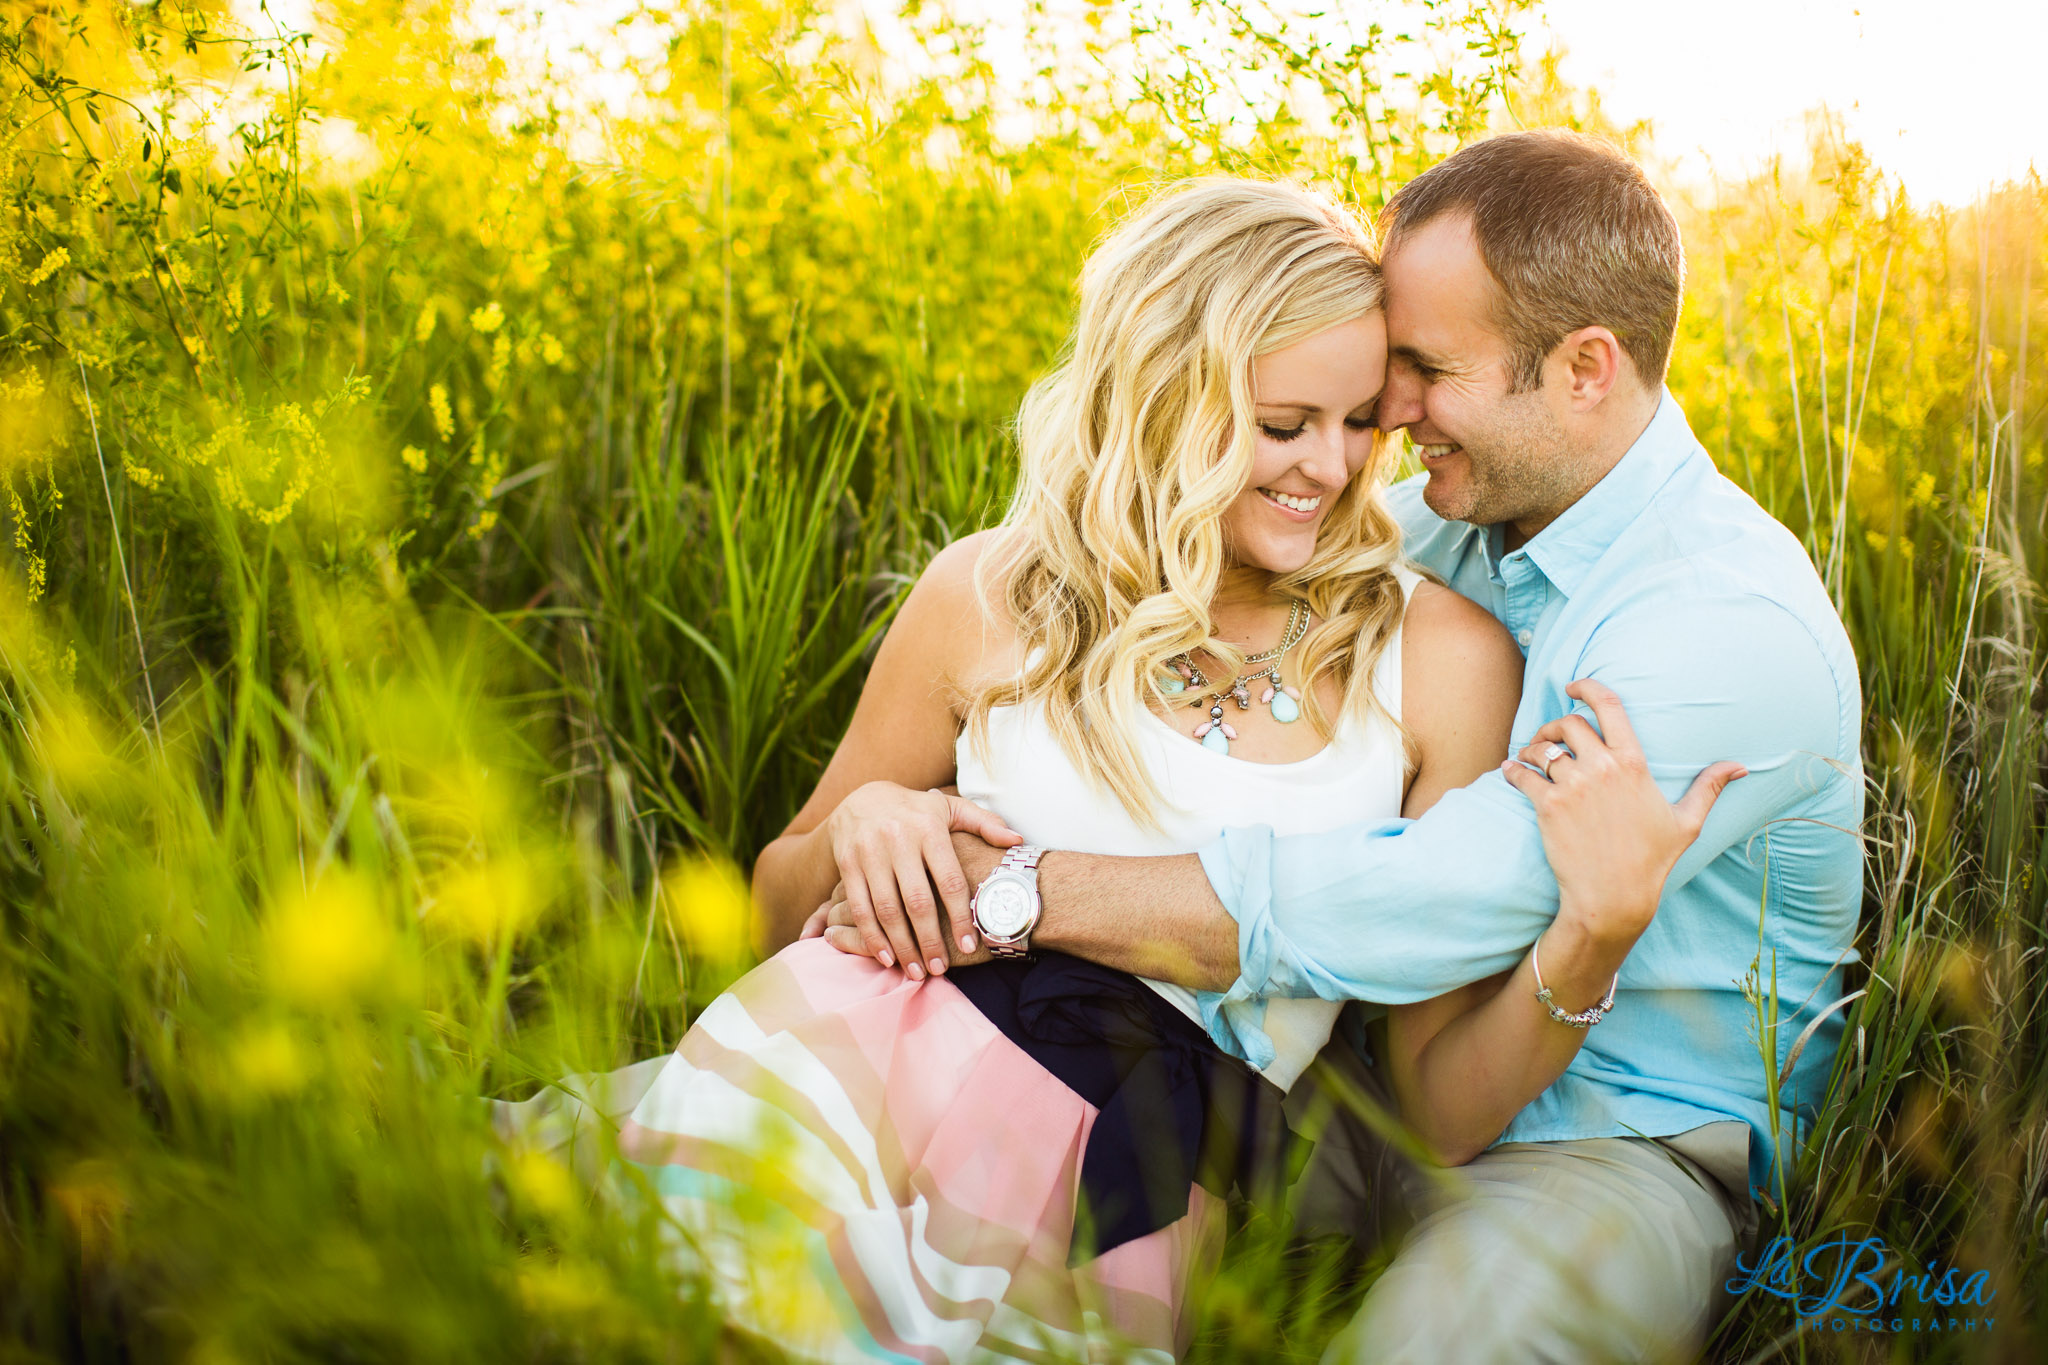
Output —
(932, 1163)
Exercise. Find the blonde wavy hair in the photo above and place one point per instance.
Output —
(1137, 440)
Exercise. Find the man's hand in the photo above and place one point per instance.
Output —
(840, 923)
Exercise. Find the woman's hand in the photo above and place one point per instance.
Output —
(892, 847)
(1610, 835)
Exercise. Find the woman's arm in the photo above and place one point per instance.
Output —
(874, 822)
(1461, 683)
(1464, 1064)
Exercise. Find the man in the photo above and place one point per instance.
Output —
(1534, 282)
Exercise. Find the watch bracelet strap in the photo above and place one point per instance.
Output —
(1022, 858)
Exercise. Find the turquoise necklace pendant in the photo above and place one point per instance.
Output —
(1214, 732)
(1282, 701)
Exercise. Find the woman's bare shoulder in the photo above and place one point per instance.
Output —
(954, 586)
(958, 604)
(1444, 623)
(1459, 666)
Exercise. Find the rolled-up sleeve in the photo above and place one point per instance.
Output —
(1395, 911)
(1400, 911)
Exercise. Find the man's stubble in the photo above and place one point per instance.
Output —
(1520, 470)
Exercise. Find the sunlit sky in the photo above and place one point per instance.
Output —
(1946, 94)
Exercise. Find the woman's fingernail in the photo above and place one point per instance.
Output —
(966, 943)
(914, 972)
(938, 966)
(886, 958)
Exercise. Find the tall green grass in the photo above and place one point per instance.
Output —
(440, 522)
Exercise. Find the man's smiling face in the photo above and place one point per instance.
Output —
(1493, 455)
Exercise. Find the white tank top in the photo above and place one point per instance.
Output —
(1360, 775)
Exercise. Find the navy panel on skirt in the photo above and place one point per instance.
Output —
(1173, 1110)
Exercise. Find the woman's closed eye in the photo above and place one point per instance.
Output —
(1365, 421)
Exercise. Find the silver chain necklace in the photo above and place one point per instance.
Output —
(1283, 701)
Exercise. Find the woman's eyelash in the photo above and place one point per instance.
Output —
(1365, 423)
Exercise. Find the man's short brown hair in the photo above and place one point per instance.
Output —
(1574, 236)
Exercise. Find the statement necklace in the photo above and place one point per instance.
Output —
(1284, 701)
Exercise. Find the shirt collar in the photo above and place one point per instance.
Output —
(1568, 548)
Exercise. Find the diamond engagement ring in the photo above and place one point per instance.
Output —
(1550, 756)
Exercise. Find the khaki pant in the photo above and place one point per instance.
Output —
(1604, 1249)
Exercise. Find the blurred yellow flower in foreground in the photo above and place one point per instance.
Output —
(488, 318)
(267, 1060)
(94, 1199)
(564, 1291)
(482, 900)
(330, 945)
(543, 1183)
(709, 904)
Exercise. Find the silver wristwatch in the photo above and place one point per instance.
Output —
(1005, 905)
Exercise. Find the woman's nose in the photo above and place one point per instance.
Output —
(1327, 463)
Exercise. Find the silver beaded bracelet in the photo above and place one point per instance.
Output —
(1585, 1018)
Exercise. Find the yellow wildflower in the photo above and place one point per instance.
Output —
(501, 360)
(415, 459)
(480, 901)
(543, 1183)
(551, 354)
(710, 906)
(488, 318)
(1877, 540)
(141, 476)
(52, 263)
(73, 745)
(424, 328)
(331, 944)
(38, 575)
(1923, 490)
(444, 420)
(266, 1060)
(565, 1291)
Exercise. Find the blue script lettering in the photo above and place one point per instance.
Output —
(1843, 1264)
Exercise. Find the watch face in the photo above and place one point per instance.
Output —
(1004, 907)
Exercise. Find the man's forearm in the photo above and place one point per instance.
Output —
(1155, 917)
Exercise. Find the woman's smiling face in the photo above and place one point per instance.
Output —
(1313, 403)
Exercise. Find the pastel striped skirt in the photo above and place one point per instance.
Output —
(864, 1168)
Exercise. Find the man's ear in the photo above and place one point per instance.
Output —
(1594, 359)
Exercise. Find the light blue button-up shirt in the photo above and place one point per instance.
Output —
(1671, 586)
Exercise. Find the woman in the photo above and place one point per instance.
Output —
(1193, 616)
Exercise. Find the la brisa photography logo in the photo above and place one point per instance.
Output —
(1847, 1283)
